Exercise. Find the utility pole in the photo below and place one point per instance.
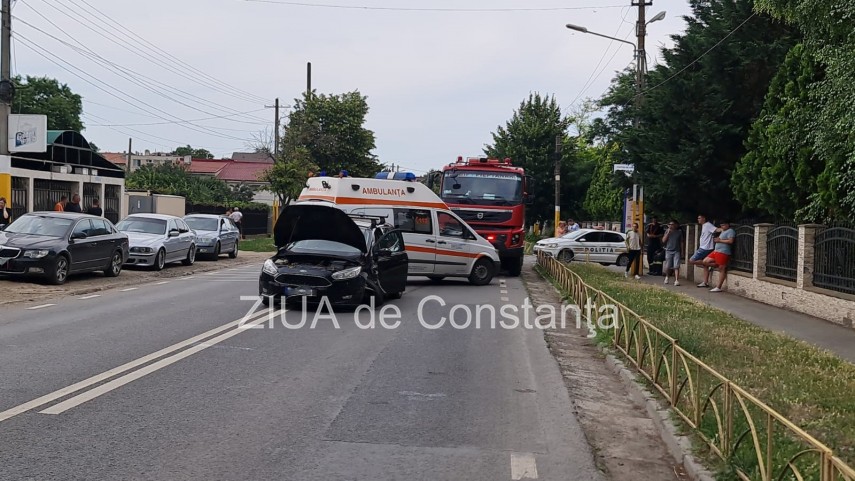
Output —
(557, 183)
(276, 133)
(640, 53)
(130, 152)
(6, 89)
(308, 79)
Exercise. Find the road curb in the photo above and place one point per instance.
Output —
(679, 446)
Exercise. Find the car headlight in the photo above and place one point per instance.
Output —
(269, 268)
(205, 240)
(141, 250)
(551, 246)
(347, 273)
(36, 254)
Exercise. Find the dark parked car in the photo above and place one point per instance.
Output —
(56, 244)
(324, 252)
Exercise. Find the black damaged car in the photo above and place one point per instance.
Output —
(325, 253)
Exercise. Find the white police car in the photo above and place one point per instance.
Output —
(586, 245)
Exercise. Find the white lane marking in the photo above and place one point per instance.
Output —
(40, 307)
(523, 466)
(503, 291)
(185, 278)
(127, 378)
(90, 296)
(207, 344)
(505, 299)
(128, 289)
(4, 415)
(161, 283)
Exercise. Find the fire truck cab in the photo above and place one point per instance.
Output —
(490, 195)
(439, 243)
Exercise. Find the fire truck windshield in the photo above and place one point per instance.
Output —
(482, 187)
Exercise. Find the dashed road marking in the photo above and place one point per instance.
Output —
(505, 299)
(40, 307)
(128, 289)
(161, 283)
(90, 296)
(523, 466)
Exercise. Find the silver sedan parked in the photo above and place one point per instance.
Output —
(158, 239)
(216, 234)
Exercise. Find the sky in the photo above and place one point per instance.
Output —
(440, 75)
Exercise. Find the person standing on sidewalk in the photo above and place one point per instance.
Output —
(236, 217)
(654, 233)
(633, 245)
(673, 240)
(720, 256)
(705, 246)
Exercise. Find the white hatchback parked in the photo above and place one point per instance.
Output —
(586, 245)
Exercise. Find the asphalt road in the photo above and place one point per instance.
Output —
(161, 382)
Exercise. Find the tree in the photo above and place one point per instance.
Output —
(262, 142)
(43, 95)
(288, 176)
(195, 153)
(328, 131)
(242, 192)
(174, 179)
(699, 107)
(528, 139)
(603, 198)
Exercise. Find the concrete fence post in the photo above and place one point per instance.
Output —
(761, 233)
(807, 242)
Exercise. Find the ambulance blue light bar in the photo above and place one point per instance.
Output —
(408, 176)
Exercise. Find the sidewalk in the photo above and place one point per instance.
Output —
(821, 333)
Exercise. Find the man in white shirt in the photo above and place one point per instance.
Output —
(706, 244)
(236, 216)
(572, 226)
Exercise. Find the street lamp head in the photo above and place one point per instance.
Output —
(657, 17)
(577, 28)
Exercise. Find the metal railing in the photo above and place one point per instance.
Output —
(112, 202)
(743, 249)
(757, 442)
(782, 252)
(834, 259)
(20, 192)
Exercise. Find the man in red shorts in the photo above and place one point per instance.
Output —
(720, 255)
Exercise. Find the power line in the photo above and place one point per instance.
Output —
(35, 48)
(123, 30)
(691, 63)
(124, 72)
(178, 121)
(428, 9)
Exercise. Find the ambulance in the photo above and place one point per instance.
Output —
(439, 243)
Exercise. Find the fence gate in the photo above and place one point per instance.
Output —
(46, 193)
(20, 195)
(90, 193)
(834, 259)
(111, 202)
(782, 252)
(743, 251)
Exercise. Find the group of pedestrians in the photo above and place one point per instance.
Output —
(714, 249)
(64, 205)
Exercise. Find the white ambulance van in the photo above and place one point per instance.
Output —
(439, 244)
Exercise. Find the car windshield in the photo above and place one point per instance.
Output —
(40, 225)
(324, 247)
(483, 188)
(201, 223)
(143, 225)
(572, 235)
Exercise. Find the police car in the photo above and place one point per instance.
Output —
(586, 245)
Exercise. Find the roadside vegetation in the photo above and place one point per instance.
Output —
(258, 244)
(811, 387)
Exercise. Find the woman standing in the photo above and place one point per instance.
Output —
(5, 213)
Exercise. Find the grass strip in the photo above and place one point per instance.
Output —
(812, 387)
(258, 244)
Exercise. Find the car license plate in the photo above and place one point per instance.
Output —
(299, 291)
(202, 250)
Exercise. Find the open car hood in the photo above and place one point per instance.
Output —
(307, 222)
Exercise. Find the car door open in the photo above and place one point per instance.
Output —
(391, 258)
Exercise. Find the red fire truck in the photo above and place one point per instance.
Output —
(490, 195)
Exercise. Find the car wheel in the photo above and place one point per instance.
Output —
(565, 255)
(623, 260)
(191, 256)
(216, 253)
(115, 267)
(59, 271)
(159, 260)
(234, 251)
(482, 272)
(395, 295)
(436, 278)
(515, 266)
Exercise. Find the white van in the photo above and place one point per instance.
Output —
(439, 244)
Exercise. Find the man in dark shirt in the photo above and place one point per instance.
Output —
(654, 232)
(74, 205)
(95, 209)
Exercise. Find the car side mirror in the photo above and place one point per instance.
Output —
(580, 240)
(78, 235)
(528, 199)
(174, 233)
